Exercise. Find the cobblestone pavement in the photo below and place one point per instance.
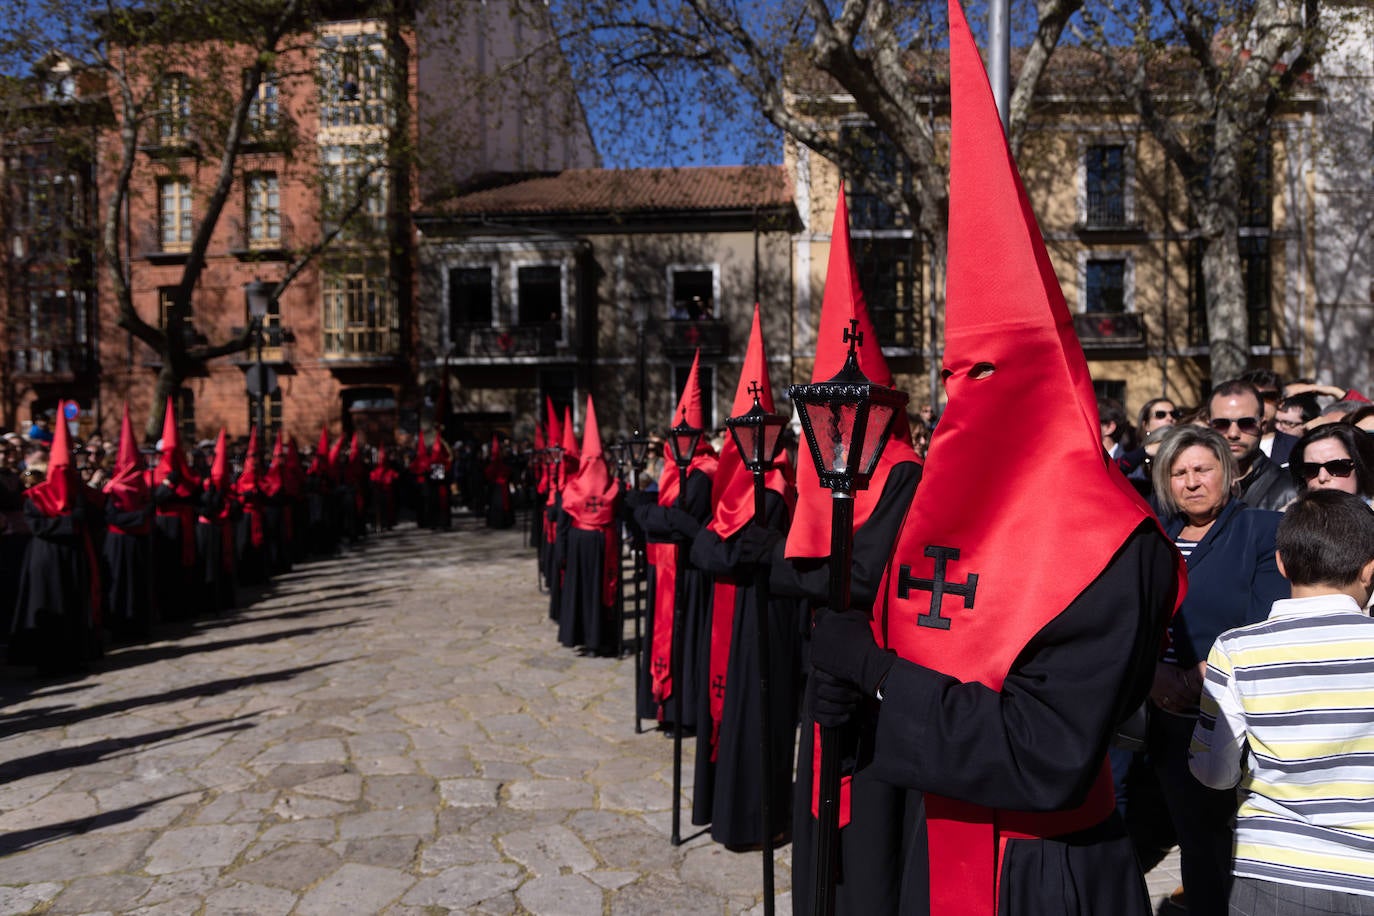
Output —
(392, 731)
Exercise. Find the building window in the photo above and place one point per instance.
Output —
(359, 312)
(692, 292)
(889, 280)
(880, 167)
(1256, 276)
(706, 375)
(1254, 267)
(1104, 169)
(263, 209)
(470, 295)
(271, 412)
(353, 83)
(1113, 389)
(354, 191)
(263, 111)
(1105, 285)
(50, 337)
(174, 214)
(1256, 207)
(539, 295)
(174, 110)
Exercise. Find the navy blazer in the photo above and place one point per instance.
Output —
(1233, 578)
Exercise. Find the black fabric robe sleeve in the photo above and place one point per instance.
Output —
(49, 526)
(695, 501)
(1037, 744)
(721, 557)
(873, 543)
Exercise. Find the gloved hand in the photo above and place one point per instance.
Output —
(636, 498)
(756, 543)
(842, 645)
(833, 701)
(684, 524)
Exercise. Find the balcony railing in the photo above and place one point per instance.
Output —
(278, 346)
(683, 338)
(1109, 330)
(487, 342)
(58, 361)
(246, 248)
(361, 344)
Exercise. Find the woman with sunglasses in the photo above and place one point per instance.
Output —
(1158, 413)
(1232, 581)
(1336, 456)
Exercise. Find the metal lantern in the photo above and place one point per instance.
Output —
(617, 452)
(756, 434)
(846, 420)
(683, 439)
(637, 447)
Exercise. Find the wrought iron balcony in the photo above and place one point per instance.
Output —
(278, 347)
(484, 342)
(1109, 330)
(263, 248)
(53, 363)
(683, 338)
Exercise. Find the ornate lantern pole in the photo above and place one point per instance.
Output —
(682, 439)
(637, 453)
(846, 421)
(756, 434)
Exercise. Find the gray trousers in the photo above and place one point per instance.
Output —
(1253, 897)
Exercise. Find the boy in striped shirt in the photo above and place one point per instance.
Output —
(1296, 695)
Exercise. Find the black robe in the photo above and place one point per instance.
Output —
(128, 560)
(1035, 745)
(175, 587)
(809, 579)
(735, 778)
(583, 618)
(695, 593)
(54, 629)
(555, 557)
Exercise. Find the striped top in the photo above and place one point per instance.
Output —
(1297, 692)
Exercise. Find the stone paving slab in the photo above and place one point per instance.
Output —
(394, 730)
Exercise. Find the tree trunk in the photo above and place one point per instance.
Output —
(1228, 326)
(168, 384)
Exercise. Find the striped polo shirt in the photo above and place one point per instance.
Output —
(1297, 693)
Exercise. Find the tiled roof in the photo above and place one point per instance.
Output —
(711, 188)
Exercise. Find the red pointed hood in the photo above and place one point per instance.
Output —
(1034, 532)
(319, 464)
(567, 469)
(293, 475)
(570, 446)
(555, 428)
(219, 470)
(173, 458)
(251, 478)
(355, 454)
(704, 458)
(437, 453)
(128, 488)
(274, 479)
(57, 494)
(843, 302)
(589, 497)
(732, 489)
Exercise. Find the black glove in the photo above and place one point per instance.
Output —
(842, 645)
(78, 514)
(833, 701)
(756, 543)
(636, 498)
(683, 524)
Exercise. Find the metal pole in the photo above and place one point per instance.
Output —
(261, 411)
(765, 708)
(999, 57)
(679, 609)
(828, 813)
(639, 578)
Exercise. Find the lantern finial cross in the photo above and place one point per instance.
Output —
(853, 336)
(755, 389)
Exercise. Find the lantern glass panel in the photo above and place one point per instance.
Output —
(746, 440)
(833, 427)
(879, 418)
(770, 434)
(684, 444)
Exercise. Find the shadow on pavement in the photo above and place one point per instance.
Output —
(64, 758)
(144, 655)
(20, 840)
(63, 716)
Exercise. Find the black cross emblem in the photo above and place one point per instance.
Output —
(938, 586)
(755, 388)
(718, 685)
(593, 504)
(852, 335)
(660, 666)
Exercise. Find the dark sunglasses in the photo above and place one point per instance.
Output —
(1341, 467)
(1161, 414)
(1249, 425)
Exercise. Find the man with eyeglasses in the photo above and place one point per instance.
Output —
(1236, 411)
